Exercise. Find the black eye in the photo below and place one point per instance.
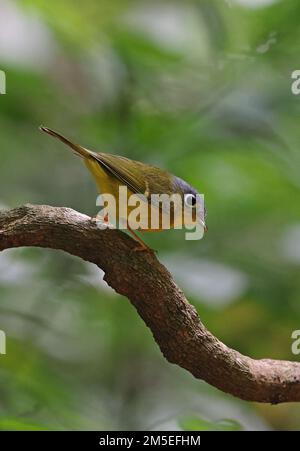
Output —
(190, 200)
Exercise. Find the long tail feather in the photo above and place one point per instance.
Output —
(81, 151)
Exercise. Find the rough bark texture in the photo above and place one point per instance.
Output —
(174, 323)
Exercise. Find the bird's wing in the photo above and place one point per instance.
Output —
(138, 177)
(141, 179)
(124, 170)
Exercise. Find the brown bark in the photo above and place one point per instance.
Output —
(175, 325)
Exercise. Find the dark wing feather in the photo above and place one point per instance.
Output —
(139, 177)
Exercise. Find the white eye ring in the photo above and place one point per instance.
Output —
(190, 200)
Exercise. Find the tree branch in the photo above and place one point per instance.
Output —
(174, 323)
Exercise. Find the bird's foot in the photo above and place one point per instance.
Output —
(101, 223)
(144, 248)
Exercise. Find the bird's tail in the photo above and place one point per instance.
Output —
(78, 150)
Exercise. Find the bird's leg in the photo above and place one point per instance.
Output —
(102, 223)
(143, 246)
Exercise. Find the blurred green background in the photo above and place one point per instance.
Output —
(203, 89)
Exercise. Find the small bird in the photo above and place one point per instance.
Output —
(112, 171)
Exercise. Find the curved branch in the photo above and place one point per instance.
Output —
(174, 323)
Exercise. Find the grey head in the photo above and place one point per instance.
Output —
(191, 198)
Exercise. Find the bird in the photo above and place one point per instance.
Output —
(110, 172)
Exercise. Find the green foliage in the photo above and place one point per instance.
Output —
(14, 424)
(196, 423)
